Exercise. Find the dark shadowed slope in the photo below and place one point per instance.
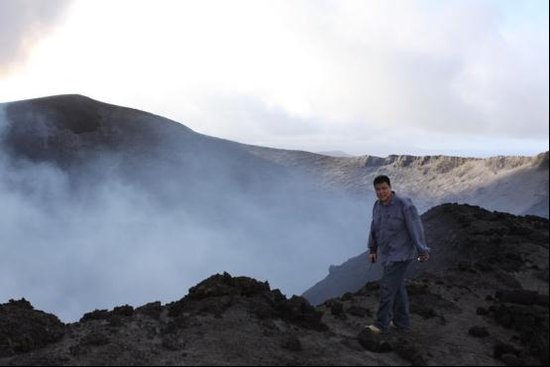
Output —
(489, 306)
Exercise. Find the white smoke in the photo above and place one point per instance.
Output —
(70, 246)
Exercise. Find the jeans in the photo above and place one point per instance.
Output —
(394, 302)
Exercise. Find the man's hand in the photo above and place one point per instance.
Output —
(423, 257)
(373, 257)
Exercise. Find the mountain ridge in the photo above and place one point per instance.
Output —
(47, 129)
(433, 180)
(403, 160)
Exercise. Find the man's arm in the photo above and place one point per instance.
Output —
(416, 230)
(373, 245)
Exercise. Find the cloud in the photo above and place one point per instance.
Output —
(323, 70)
(22, 23)
(448, 67)
(247, 119)
(425, 70)
(452, 69)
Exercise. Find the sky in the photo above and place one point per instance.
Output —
(464, 77)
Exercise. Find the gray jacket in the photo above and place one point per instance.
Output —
(396, 232)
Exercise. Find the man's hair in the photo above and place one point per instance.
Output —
(381, 179)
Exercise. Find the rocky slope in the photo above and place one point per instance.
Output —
(463, 236)
(487, 307)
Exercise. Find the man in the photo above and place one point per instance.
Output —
(396, 239)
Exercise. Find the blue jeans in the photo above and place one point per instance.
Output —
(394, 302)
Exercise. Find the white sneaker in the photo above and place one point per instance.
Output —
(374, 329)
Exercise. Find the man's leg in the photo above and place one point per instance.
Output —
(401, 308)
(390, 285)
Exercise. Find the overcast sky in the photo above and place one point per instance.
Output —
(365, 77)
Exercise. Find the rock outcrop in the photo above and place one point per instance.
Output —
(456, 320)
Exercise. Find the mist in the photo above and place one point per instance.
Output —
(99, 226)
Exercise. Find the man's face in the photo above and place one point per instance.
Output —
(383, 192)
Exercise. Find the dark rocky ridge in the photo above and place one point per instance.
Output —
(23, 329)
(465, 314)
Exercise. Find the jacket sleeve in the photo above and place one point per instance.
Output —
(415, 228)
(373, 245)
